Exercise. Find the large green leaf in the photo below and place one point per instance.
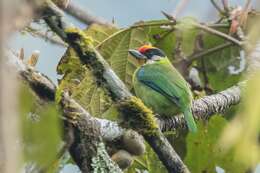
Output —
(100, 32)
(217, 64)
(79, 81)
(203, 154)
(40, 129)
(115, 51)
(168, 36)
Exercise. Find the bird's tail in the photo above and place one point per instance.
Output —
(190, 120)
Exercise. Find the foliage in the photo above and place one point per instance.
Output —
(79, 80)
(113, 44)
(180, 41)
(203, 154)
(40, 128)
(242, 133)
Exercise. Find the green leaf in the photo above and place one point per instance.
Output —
(79, 81)
(186, 33)
(115, 51)
(100, 32)
(242, 133)
(40, 128)
(217, 64)
(166, 36)
(203, 154)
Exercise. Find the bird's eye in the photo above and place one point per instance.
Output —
(152, 52)
(159, 52)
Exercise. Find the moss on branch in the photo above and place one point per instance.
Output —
(137, 115)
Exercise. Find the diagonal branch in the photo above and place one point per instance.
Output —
(138, 116)
(218, 8)
(122, 92)
(218, 33)
(206, 106)
(44, 36)
(209, 30)
(86, 130)
(201, 54)
(202, 108)
(84, 16)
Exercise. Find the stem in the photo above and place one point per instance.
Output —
(218, 8)
(218, 33)
(201, 54)
(83, 15)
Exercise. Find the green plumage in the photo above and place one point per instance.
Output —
(163, 89)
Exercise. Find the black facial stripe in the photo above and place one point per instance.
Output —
(151, 52)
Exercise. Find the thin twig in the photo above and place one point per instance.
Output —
(217, 6)
(203, 70)
(210, 30)
(180, 6)
(83, 15)
(209, 51)
(225, 6)
(218, 33)
(45, 37)
(247, 5)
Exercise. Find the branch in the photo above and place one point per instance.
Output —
(218, 33)
(45, 89)
(138, 116)
(208, 51)
(210, 30)
(206, 106)
(202, 108)
(44, 36)
(218, 8)
(83, 15)
(87, 130)
(121, 91)
(225, 6)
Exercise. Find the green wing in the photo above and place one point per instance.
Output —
(166, 80)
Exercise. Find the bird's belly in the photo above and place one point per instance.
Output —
(155, 101)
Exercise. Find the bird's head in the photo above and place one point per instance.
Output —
(147, 52)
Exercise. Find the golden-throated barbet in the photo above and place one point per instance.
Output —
(160, 86)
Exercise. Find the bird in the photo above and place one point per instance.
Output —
(160, 86)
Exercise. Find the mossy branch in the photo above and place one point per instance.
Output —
(202, 108)
(106, 76)
(218, 103)
(83, 131)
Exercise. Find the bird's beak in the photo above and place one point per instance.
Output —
(137, 54)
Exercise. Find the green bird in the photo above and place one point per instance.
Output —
(160, 86)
